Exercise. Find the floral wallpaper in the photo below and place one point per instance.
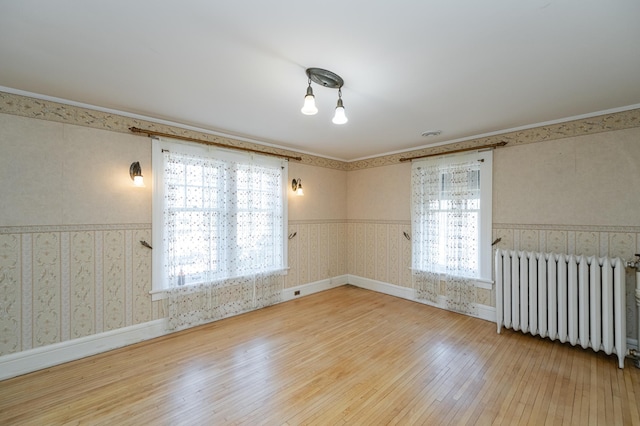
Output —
(60, 283)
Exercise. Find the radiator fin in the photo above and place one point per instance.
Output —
(575, 299)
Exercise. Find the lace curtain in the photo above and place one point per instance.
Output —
(197, 304)
(445, 227)
(223, 237)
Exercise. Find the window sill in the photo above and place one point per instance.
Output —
(482, 283)
(477, 282)
(158, 294)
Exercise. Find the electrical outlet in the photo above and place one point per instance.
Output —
(296, 293)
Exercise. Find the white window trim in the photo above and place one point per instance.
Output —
(158, 281)
(486, 201)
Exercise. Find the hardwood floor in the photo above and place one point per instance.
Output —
(344, 356)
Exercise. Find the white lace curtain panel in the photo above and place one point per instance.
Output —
(445, 228)
(223, 237)
(197, 304)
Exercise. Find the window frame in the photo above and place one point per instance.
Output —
(159, 278)
(485, 160)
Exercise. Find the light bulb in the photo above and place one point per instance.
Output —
(340, 117)
(309, 107)
(138, 181)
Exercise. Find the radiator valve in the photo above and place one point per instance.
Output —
(634, 263)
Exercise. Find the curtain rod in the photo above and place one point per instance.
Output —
(221, 145)
(473, 148)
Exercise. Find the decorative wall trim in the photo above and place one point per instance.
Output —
(72, 228)
(42, 109)
(383, 222)
(547, 227)
(16, 364)
(624, 242)
(366, 221)
(315, 287)
(586, 126)
(316, 221)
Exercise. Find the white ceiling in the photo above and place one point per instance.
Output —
(464, 67)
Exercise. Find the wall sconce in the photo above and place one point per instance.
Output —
(297, 186)
(326, 79)
(135, 171)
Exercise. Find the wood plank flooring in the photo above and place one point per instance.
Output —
(344, 356)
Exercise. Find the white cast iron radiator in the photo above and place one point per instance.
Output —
(574, 299)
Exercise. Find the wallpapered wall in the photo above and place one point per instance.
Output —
(70, 260)
(58, 284)
(317, 251)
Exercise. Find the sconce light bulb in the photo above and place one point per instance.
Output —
(135, 171)
(296, 185)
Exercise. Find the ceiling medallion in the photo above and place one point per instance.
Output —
(325, 78)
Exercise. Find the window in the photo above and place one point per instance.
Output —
(451, 221)
(216, 214)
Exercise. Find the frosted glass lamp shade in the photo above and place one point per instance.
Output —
(340, 117)
(309, 107)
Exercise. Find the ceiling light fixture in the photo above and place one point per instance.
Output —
(327, 79)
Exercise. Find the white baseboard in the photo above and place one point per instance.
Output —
(19, 363)
(485, 312)
(382, 287)
(314, 287)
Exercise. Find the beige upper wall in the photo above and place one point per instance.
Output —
(56, 174)
(60, 174)
(586, 180)
(380, 193)
(325, 193)
(589, 180)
